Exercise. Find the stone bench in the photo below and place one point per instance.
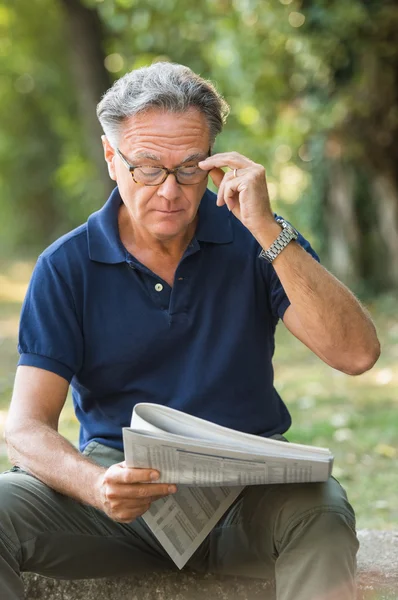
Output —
(377, 580)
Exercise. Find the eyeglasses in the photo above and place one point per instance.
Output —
(185, 175)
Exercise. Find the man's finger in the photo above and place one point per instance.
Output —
(139, 490)
(120, 473)
(132, 503)
(233, 160)
(127, 515)
(156, 489)
(231, 191)
(220, 194)
(217, 176)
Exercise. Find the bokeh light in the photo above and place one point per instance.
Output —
(296, 19)
(24, 84)
(114, 62)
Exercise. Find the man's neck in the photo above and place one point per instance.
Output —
(138, 239)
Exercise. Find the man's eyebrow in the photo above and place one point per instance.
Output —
(147, 155)
(197, 156)
(144, 155)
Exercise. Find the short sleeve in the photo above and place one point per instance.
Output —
(278, 299)
(50, 335)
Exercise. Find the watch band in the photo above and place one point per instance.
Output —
(287, 234)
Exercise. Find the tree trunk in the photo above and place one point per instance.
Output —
(85, 44)
(341, 224)
(385, 194)
(361, 225)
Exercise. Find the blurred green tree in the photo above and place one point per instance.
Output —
(357, 135)
(312, 87)
(49, 179)
(85, 36)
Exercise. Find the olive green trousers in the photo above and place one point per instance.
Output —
(301, 534)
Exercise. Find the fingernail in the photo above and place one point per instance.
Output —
(172, 489)
(154, 475)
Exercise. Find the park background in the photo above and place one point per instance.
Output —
(313, 89)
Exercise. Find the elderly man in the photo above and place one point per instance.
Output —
(171, 294)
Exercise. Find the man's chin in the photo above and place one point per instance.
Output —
(167, 231)
(171, 225)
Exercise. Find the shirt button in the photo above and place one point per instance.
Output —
(158, 287)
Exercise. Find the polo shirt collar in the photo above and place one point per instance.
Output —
(104, 242)
(214, 223)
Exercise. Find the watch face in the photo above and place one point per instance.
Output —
(287, 226)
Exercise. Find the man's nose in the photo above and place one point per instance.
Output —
(170, 188)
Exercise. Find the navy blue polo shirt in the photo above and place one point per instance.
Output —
(120, 335)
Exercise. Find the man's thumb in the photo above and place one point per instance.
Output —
(216, 175)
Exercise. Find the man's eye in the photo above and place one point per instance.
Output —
(186, 171)
(150, 171)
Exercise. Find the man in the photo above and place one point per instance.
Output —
(162, 296)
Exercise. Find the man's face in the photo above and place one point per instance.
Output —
(157, 138)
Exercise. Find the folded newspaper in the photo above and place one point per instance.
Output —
(211, 465)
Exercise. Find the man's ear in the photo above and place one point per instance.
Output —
(109, 154)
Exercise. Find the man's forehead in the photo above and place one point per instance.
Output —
(155, 131)
(155, 114)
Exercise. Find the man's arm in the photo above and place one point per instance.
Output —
(323, 313)
(35, 445)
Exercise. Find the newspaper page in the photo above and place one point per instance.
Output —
(211, 465)
(156, 418)
(182, 521)
(191, 462)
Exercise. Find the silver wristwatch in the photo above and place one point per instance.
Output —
(287, 234)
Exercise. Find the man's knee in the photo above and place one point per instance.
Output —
(277, 510)
(13, 503)
(320, 511)
(287, 502)
(302, 500)
(12, 491)
(22, 505)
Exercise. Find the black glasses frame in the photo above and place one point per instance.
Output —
(166, 171)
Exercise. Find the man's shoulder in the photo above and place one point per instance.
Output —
(73, 243)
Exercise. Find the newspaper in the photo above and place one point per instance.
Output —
(211, 465)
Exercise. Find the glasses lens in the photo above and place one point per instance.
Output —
(190, 175)
(149, 175)
(156, 175)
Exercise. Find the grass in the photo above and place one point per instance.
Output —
(356, 417)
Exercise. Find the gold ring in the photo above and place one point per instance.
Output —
(235, 172)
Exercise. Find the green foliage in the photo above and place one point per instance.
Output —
(44, 175)
(308, 82)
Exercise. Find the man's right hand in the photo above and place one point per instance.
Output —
(126, 493)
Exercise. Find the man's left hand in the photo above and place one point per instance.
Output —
(243, 189)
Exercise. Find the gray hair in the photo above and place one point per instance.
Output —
(167, 86)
